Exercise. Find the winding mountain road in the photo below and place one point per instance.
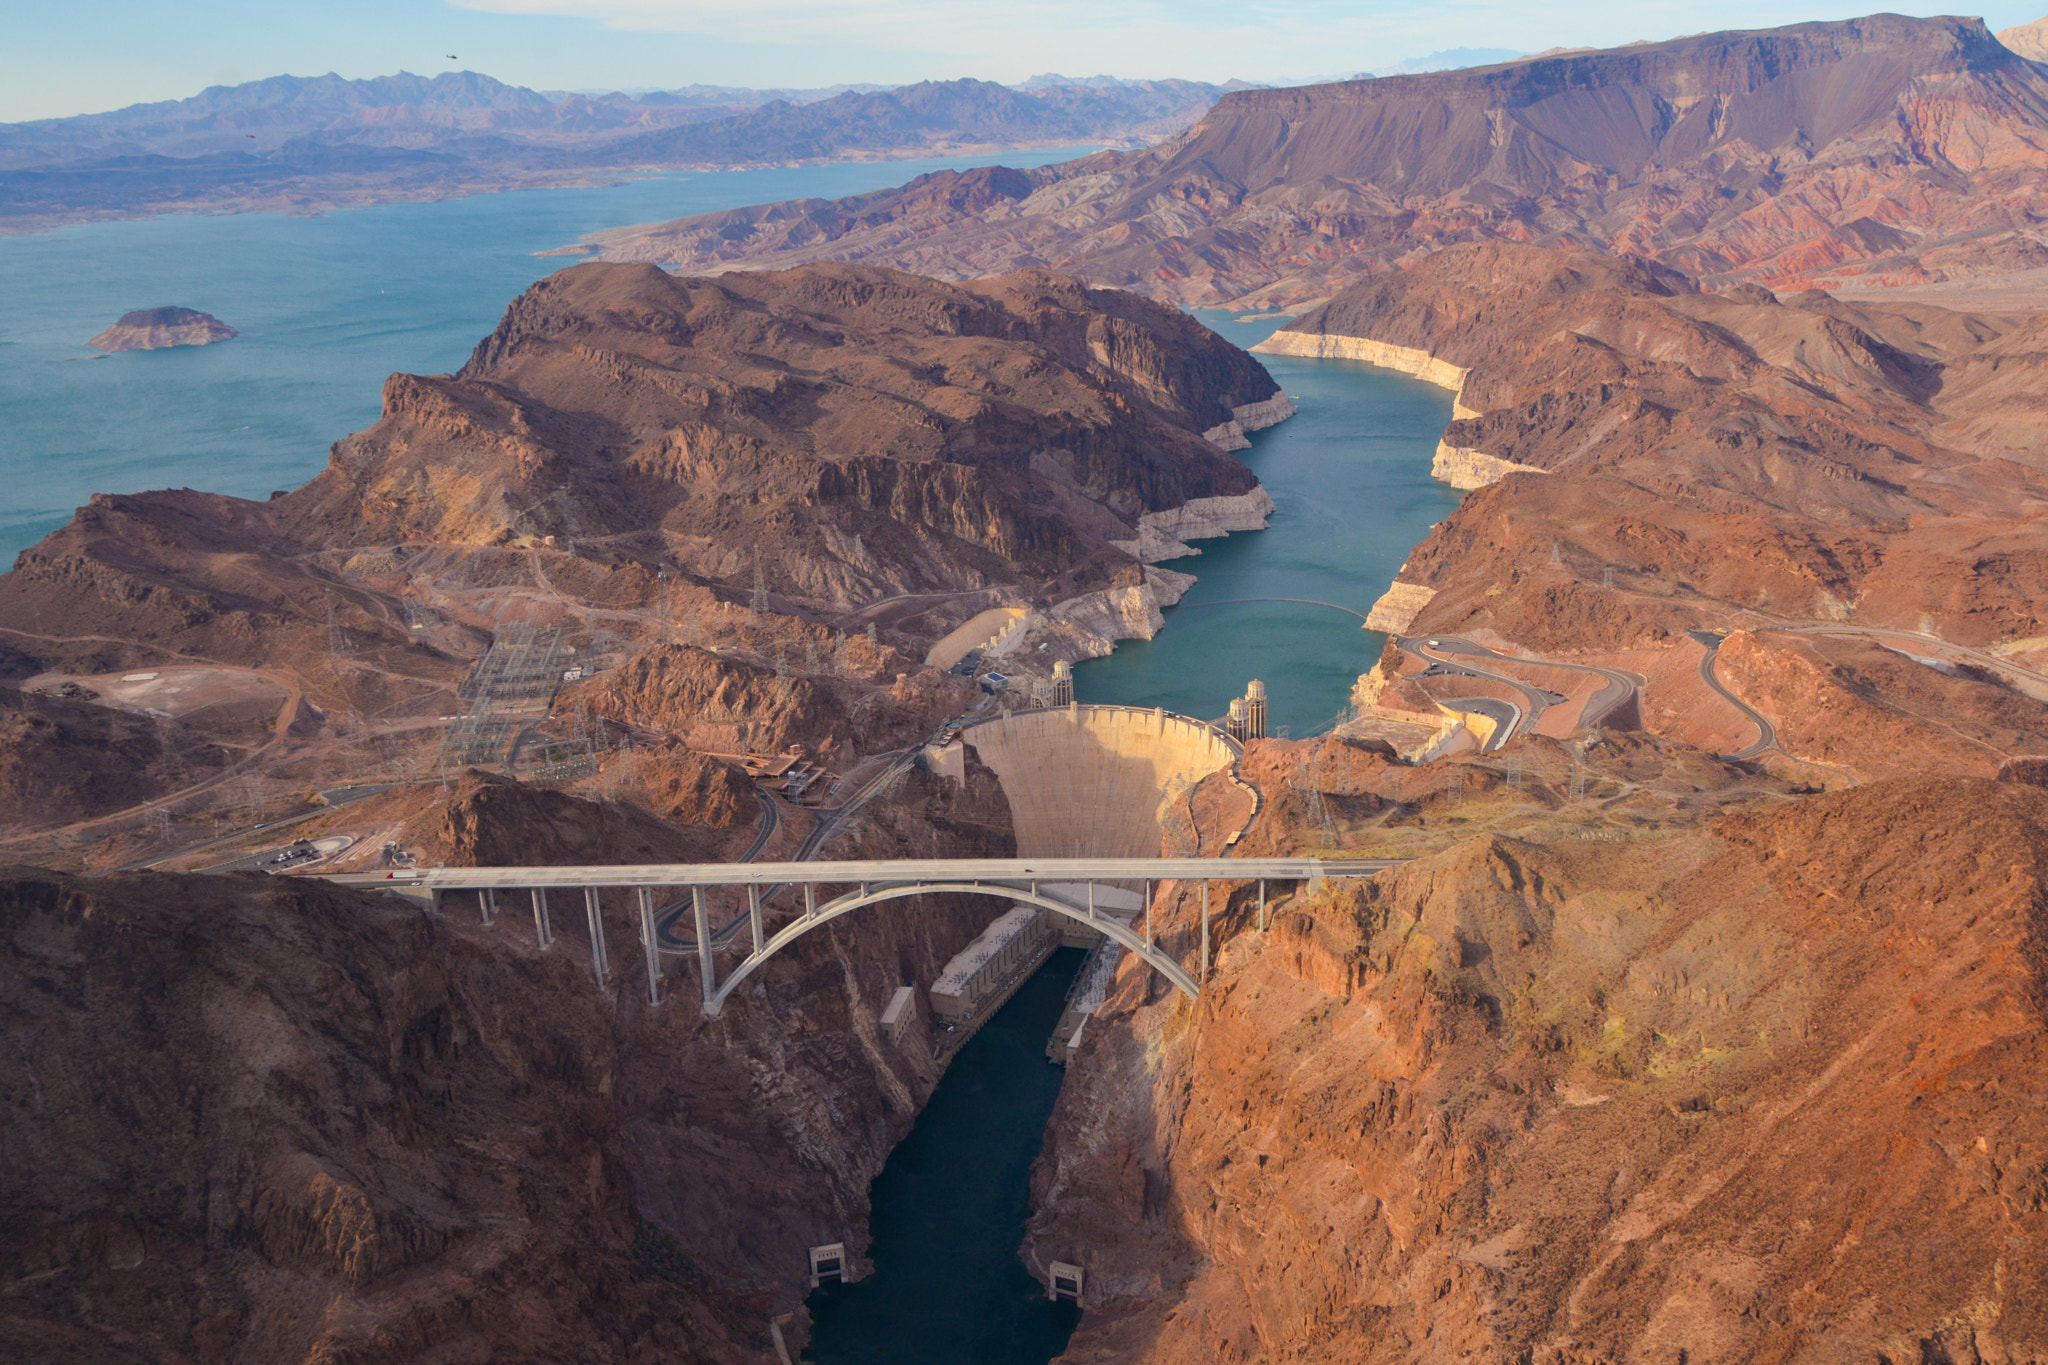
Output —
(1457, 652)
(669, 919)
(1766, 733)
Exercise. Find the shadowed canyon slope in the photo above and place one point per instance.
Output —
(260, 1118)
(1884, 149)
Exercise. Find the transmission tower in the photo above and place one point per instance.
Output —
(337, 648)
(760, 602)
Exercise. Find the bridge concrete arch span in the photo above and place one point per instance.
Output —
(1089, 781)
(715, 996)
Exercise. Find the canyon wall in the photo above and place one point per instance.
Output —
(263, 1118)
(1586, 1102)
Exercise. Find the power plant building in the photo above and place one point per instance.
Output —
(981, 974)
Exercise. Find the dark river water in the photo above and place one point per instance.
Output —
(949, 1210)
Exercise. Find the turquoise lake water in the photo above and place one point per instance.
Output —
(327, 306)
(1349, 479)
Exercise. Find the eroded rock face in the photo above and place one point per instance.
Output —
(853, 432)
(1883, 149)
(728, 705)
(1590, 1102)
(153, 329)
(1807, 458)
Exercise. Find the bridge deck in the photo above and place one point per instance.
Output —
(876, 870)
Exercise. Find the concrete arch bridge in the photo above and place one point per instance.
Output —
(1064, 886)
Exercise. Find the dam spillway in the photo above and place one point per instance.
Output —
(1089, 781)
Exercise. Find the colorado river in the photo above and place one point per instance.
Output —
(1349, 478)
(949, 1211)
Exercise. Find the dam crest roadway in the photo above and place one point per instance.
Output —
(1027, 881)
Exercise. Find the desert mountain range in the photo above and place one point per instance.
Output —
(1883, 150)
(293, 142)
(1708, 1029)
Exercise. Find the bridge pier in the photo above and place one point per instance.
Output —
(705, 969)
(754, 915)
(1204, 977)
(1262, 905)
(543, 933)
(600, 960)
(488, 900)
(649, 946)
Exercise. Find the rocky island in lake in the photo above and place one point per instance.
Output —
(152, 329)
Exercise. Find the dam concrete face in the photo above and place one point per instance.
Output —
(1089, 781)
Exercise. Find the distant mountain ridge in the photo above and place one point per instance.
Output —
(1886, 149)
(298, 142)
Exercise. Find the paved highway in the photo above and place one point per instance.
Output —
(771, 820)
(1456, 651)
(876, 871)
(1766, 733)
(2024, 680)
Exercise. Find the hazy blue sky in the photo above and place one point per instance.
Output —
(76, 56)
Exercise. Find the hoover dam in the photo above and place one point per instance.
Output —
(1091, 781)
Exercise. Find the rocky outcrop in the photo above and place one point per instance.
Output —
(1469, 469)
(264, 1118)
(1882, 149)
(153, 329)
(1524, 1102)
(1089, 626)
(712, 702)
(1164, 535)
(834, 436)
(1396, 609)
(1247, 418)
(64, 760)
(1009, 423)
